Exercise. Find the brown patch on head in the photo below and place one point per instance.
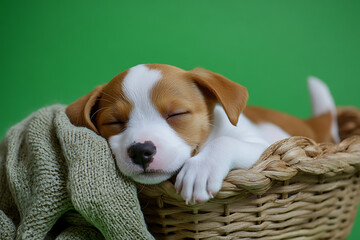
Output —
(113, 108)
(101, 107)
(182, 104)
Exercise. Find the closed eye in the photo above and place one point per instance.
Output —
(175, 114)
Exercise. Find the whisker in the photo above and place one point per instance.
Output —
(116, 99)
(98, 111)
(141, 189)
(212, 125)
(106, 100)
(147, 204)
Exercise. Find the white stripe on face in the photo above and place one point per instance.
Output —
(137, 86)
(146, 124)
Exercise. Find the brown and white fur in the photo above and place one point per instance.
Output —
(161, 120)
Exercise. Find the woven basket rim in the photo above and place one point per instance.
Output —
(284, 160)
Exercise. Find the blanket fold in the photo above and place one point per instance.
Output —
(52, 174)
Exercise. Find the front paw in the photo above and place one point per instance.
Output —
(200, 179)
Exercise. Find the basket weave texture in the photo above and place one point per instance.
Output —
(299, 189)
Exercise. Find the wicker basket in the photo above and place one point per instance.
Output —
(298, 190)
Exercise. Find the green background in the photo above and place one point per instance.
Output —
(56, 51)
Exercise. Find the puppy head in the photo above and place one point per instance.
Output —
(157, 116)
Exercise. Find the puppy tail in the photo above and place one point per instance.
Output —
(322, 103)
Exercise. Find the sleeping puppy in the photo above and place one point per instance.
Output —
(160, 120)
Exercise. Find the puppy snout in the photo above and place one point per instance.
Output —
(142, 153)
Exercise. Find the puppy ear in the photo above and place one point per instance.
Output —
(232, 96)
(79, 112)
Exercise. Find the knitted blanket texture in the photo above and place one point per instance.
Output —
(58, 181)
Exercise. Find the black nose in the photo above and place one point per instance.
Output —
(142, 153)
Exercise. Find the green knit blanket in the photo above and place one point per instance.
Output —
(58, 181)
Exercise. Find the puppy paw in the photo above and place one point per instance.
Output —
(200, 179)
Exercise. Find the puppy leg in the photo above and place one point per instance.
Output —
(202, 175)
